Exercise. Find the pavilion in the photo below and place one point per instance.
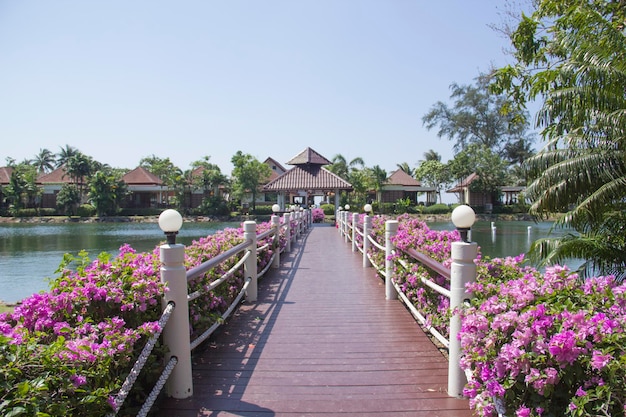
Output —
(307, 178)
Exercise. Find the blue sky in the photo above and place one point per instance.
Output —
(122, 80)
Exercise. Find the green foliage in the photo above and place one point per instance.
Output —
(479, 117)
(329, 209)
(248, 175)
(437, 209)
(86, 210)
(213, 206)
(68, 199)
(106, 192)
(570, 54)
(434, 173)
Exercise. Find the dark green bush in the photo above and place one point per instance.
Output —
(329, 209)
(86, 210)
(437, 209)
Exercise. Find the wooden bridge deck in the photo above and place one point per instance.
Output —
(321, 341)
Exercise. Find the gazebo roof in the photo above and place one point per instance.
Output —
(309, 156)
(141, 176)
(307, 174)
(312, 177)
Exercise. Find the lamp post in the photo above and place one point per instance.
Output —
(463, 217)
(367, 227)
(276, 209)
(462, 271)
(176, 333)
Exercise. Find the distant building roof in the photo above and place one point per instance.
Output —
(141, 176)
(5, 175)
(58, 176)
(400, 177)
(465, 182)
(309, 156)
(311, 177)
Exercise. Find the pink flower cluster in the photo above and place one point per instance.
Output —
(91, 324)
(544, 344)
(537, 344)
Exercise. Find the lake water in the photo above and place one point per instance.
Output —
(30, 253)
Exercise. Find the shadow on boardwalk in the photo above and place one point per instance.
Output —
(321, 341)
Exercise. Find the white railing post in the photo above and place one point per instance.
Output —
(276, 243)
(338, 222)
(367, 226)
(355, 221)
(462, 271)
(250, 265)
(287, 220)
(391, 228)
(346, 230)
(176, 333)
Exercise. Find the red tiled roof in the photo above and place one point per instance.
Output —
(400, 177)
(58, 176)
(141, 176)
(309, 177)
(271, 161)
(464, 183)
(5, 175)
(309, 156)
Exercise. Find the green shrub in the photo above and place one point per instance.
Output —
(140, 212)
(86, 210)
(437, 209)
(329, 209)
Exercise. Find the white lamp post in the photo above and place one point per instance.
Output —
(463, 217)
(462, 271)
(367, 208)
(276, 209)
(170, 221)
(176, 333)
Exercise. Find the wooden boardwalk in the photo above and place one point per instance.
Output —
(321, 341)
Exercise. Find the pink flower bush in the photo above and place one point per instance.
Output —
(536, 344)
(67, 351)
(544, 344)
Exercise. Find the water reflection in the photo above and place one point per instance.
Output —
(31, 252)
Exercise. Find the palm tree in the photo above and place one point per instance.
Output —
(432, 155)
(342, 168)
(378, 176)
(44, 161)
(406, 168)
(582, 170)
(65, 154)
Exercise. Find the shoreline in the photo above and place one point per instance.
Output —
(203, 219)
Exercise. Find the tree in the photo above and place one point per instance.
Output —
(432, 155)
(490, 169)
(22, 190)
(106, 192)
(65, 154)
(434, 173)
(342, 168)
(44, 161)
(79, 167)
(378, 178)
(68, 199)
(248, 175)
(210, 178)
(479, 117)
(571, 56)
(163, 168)
(406, 168)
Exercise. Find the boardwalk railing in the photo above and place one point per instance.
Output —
(175, 322)
(462, 271)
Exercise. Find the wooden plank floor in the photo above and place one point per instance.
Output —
(321, 341)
